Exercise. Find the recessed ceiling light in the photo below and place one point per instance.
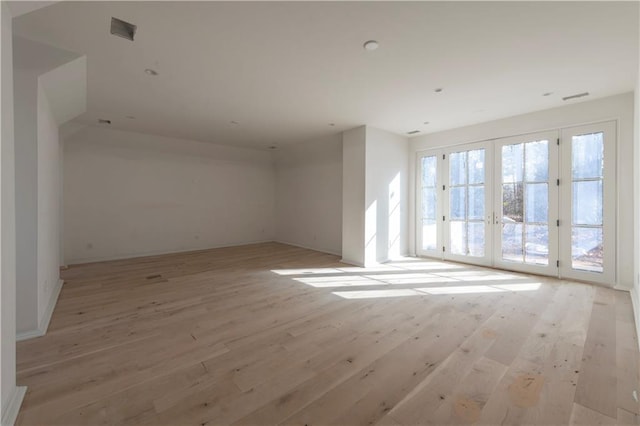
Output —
(149, 71)
(413, 132)
(273, 147)
(103, 121)
(438, 89)
(426, 122)
(371, 45)
(332, 124)
(547, 94)
(235, 123)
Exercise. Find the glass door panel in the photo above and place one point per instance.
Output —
(588, 240)
(587, 155)
(428, 199)
(466, 234)
(526, 203)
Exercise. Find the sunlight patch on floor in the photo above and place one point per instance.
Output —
(370, 294)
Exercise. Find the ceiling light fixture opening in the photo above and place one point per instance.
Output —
(438, 89)
(273, 147)
(547, 94)
(426, 122)
(413, 132)
(371, 45)
(103, 121)
(149, 71)
(332, 124)
(235, 123)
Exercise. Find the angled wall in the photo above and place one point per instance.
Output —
(353, 195)
(635, 291)
(375, 196)
(10, 395)
(50, 88)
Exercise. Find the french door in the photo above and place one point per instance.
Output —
(466, 218)
(525, 208)
(539, 203)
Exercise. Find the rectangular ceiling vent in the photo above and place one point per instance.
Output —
(413, 132)
(579, 95)
(123, 29)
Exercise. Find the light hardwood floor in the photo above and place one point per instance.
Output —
(270, 333)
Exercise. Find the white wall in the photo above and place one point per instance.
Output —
(26, 180)
(39, 72)
(387, 173)
(309, 194)
(635, 292)
(130, 194)
(353, 195)
(7, 225)
(49, 205)
(618, 107)
(374, 197)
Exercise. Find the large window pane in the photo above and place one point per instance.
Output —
(587, 203)
(429, 234)
(586, 249)
(458, 233)
(512, 242)
(587, 152)
(537, 244)
(458, 168)
(476, 166)
(537, 202)
(429, 203)
(476, 239)
(476, 202)
(512, 202)
(458, 206)
(512, 163)
(537, 161)
(429, 171)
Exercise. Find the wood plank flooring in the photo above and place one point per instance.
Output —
(273, 334)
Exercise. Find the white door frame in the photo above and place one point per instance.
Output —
(560, 201)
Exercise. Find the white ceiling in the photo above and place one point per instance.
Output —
(284, 71)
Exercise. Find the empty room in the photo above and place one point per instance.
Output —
(320, 213)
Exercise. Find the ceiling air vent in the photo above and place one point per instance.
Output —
(413, 132)
(579, 95)
(123, 29)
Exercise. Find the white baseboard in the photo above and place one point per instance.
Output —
(48, 312)
(328, 251)
(43, 326)
(97, 259)
(13, 407)
(352, 262)
(636, 311)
